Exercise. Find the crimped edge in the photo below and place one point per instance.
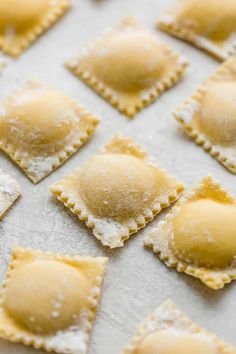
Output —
(197, 136)
(198, 41)
(17, 192)
(18, 156)
(131, 226)
(168, 309)
(213, 278)
(50, 19)
(39, 342)
(110, 95)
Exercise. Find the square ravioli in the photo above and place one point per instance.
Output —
(19, 28)
(40, 128)
(208, 24)
(209, 116)
(128, 66)
(198, 236)
(9, 193)
(168, 331)
(117, 191)
(49, 301)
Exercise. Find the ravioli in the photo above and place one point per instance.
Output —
(209, 116)
(49, 300)
(128, 66)
(40, 128)
(9, 192)
(117, 191)
(198, 236)
(18, 29)
(209, 25)
(168, 331)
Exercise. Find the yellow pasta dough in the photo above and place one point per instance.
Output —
(198, 236)
(199, 239)
(19, 28)
(9, 193)
(176, 342)
(208, 24)
(209, 116)
(40, 128)
(128, 66)
(49, 300)
(117, 191)
(168, 331)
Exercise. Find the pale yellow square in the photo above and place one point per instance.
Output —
(49, 301)
(209, 25)
(197, 246)
(40, 128)
(169, 319)
(23, 21)
(128, 66)
(118, 191)
(209, 116)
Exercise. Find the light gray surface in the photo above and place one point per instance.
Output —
(136, 281)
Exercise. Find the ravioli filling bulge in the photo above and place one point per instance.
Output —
(204, 233)
(46, 296)
(170, 341)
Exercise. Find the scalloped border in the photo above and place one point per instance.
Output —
(213, 278)
(198, 41)
(47, 22)
(18, 156)
(198, 137)
(112, 96)
(39, 342)
(9, 201)
(171, 314)
(132, 225)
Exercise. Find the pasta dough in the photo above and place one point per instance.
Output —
(209, 25)
(49, 300)
(40, 128)
(111, 194)
(198, 236)
(168, 331)
(18, 29)
(9, 193)
(128, 66)
(209, 116)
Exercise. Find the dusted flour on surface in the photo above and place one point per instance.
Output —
(9, 192)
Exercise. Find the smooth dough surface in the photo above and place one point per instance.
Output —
(28, 13)
(130, 61)
(213, 19)
(46, 295)
(176, 342)
(217, 118)
(204, 233)
(38, 119)
(120, 186)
